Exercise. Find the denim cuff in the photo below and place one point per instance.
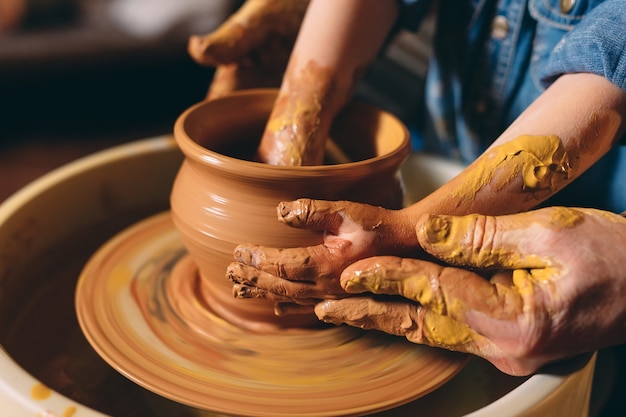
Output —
(596, 45)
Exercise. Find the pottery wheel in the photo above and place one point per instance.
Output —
(180, 349)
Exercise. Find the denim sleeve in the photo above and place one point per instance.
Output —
(595, 45)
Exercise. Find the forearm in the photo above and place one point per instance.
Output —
(569, 127)
(337, 42)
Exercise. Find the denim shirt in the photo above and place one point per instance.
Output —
(495, 57)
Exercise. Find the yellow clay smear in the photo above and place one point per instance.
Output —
(446, 235)
(69, 411)
(444, 332)
(40, 392)
(438, 327)
(419, 288)
(540, 161)
(448, 232)
(292, 135)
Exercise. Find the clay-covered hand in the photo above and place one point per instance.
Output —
(556, 288)
(252, 47)
(306, 275)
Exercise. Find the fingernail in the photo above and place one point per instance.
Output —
(243, 255)
(242, 291)
(326, 311)
(284, 208)
(294, 212)
(437, 228)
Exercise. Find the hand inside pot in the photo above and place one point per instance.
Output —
(252, 48)
(537, 289)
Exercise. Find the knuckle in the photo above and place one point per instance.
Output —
(482, 239)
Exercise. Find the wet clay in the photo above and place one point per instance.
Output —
(139, 304)
(449, 237)
(433, 324)
(297, 130)
(219, 200)
(294, 135)
(397, 276)
(540, 162)
(442, 231)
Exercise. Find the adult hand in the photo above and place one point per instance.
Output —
(252, 47)
(556, 289)
(307, 275)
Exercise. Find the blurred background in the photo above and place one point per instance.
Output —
(77, 76)
(100, 66)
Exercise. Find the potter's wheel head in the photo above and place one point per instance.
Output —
(210, 364)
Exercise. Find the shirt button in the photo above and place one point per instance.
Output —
(499, 27)
(481, 106)
(566, 6)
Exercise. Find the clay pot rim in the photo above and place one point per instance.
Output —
(192, 150)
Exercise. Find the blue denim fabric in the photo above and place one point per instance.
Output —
(597, 44)
(478, 82)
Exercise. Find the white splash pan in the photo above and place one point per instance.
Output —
(139, 175)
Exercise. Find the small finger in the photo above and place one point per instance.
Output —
(249, 291)
(312, 214)
(330, 216)
(281, 289)
(298, 264)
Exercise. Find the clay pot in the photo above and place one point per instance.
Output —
(51, 228)
(221, 198)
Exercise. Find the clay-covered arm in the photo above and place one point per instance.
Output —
(565, 131)
(337, 41)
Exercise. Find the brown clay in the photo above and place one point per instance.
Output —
(138, 305)
(155, 302)
(222, 198)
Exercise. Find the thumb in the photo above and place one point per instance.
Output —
(233, 40)
(331, 216)
(480, 241)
